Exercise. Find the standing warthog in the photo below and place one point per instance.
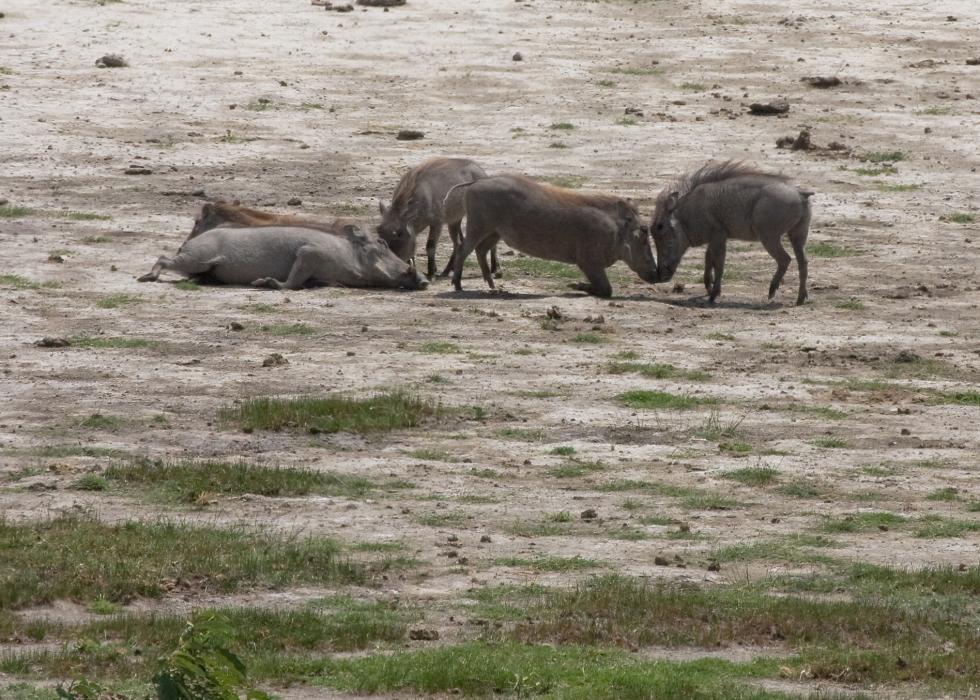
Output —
(422, 200)
(233, 214)
(265, 255)
(731, 200)
(591, 231)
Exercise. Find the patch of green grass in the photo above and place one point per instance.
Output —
(736, 448)
(186, 481)
(657, 371)
(850, 305)
(829, 250)
(821, 411)
(626, 355)
(883, 156)
(651, 400)
(829, 443)
(530, 528)
(485, 473)
(605, 83)
(693, 87)
(441, 519)
(188, 286)
(549, 564)
(537, 267)
(8, 211)
(752, 476)
(95, 240)
(627, 121)
(707, 500)
(636, 70)
(100, 421)
(558, 144)
(795, 549)
(111, 343)
(563, 451)
(720, 336)
(85, 559)
(714, 428)
(569, 182)
(104, 607)
(19, 282)
(387, 411)
(311, 105)
(936, 110)
(862, 522)
(875, 172)
(440, 348)
(476, 499)
(288, 329)
(941, 528)
(437, 379)
(114, 301)
(87, 216)
(961, 398)
(973, 507)
(801, 488)
(589, 338)
(523, 434)
(90, 482)
(575, 468)
(961, 217)
(897, 187)
(562, 126)
(948, 493)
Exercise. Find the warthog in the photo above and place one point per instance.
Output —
(233, 214)
(265, 255)
(422, 200)
(591, 231)
(731, 200)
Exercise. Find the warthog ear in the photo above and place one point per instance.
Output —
(236, 202)
(625, 210)
(672, 200)
(207, 209)
(382, 207)
(351, 230)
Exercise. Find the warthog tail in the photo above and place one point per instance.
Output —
(806, 194)
(452, 189)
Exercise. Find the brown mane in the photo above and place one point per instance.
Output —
(239, 216)
(713, 172)
(406, 186)
(573, 198)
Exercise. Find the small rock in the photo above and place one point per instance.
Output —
(275, 360)
(423, 635)
(236, 326)
(661, 561)
(52, 342)
(338, 8)
(907, 356)
(802, 142)
(294, 202)
(589, 514)
(138, 170)
(452, 554)
(554, 313)
(409, 135)
(351, 353)
(883, 528)
(381, 3)
(517, 56)
(714, 566)
(54, 257)
(973, 61)
(678, 288)
(111, 60)
(485, 539)
(452, 538)
(906, 431)
(821, 81)
(4, 202)
(769, 108)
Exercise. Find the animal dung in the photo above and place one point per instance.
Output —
(111, 60)
(410, 135)
(769, 108)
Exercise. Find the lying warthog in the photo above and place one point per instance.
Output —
(421, 200)
(592, 231)
(263, 256)
(233, 214)
(731, 200)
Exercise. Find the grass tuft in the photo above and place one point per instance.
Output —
(662, 400)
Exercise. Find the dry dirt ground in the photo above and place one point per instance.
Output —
(271, 101)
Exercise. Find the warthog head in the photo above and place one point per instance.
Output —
(396, 230)
(208, 218)
(381, 266)
(635, 248)
(668, 235)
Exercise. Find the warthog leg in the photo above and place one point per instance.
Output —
(476, 233)
(717, 253)
(708, 268)
(153, 275)
(797, 238)
(308, 261)
(774, 247)
(486, 245)
(495, 264)
(598, 284)
(456, 236)
(435, 231)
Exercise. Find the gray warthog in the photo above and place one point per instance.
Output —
(591, 231)
(422, 200)
(233, 214)
(731, 200)
(265, 255)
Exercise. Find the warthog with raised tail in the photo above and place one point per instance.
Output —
(283, 257)
(591, 231)
(731, 200)
(422, 199)
(233, 214)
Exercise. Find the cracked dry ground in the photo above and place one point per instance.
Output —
(825, 455)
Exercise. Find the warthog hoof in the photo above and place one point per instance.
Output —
(267, 282)
(148, 277)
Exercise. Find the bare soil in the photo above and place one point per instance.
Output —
(266, 102)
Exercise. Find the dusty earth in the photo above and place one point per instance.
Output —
(272, 101)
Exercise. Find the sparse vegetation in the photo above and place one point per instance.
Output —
(114, 301)
(657, 370)
(752, 476)
(440, 348)
(961, 217)
(662, 400)
(87, 216)
(8, 211)
(829, 250)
